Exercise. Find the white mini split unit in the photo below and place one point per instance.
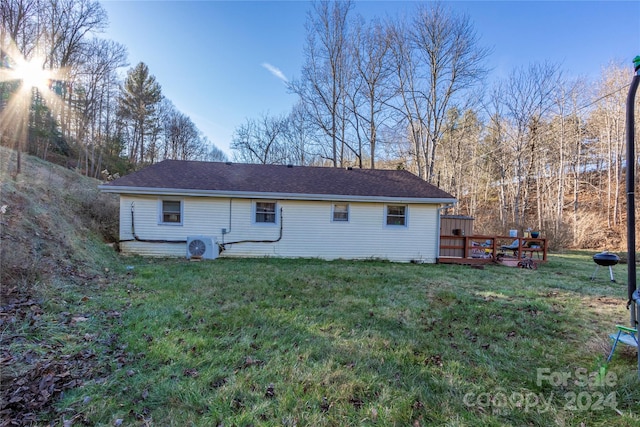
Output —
(202, 247)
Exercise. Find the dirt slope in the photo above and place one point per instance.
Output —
(54, 226)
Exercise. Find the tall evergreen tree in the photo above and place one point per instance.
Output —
(138, 103)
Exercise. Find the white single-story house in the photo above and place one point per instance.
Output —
(211, 209)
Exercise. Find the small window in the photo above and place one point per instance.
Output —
(266, 212)
(171, 212)
(396, 215)
(341, 212)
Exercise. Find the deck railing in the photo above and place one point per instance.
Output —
(478, 249)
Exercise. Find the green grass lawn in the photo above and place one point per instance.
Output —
(250, 342)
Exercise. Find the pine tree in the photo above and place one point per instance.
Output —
(138, 103)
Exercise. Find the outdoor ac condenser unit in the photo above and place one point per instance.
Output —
(202, 247)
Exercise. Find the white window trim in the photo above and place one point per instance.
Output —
(254, 207)
(333, 207)
(160, 212)
(406, 216)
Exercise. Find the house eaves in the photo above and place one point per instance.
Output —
(180, 192)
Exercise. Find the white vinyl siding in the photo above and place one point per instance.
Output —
(199, 217)
(306, 232)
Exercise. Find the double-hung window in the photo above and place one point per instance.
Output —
(266, 212)
(340, 212)
(397, 215)
(171, 212)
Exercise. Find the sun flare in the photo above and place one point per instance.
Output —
(27, 81)
(32, 74)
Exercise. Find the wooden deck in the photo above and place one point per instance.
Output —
(479, 249)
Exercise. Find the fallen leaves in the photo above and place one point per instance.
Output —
(218, 382)
(27, 394)
(270, 393)
(434, 360)
(357, 402)
(190, 372)
(325, 405)
(32, 379)
(249, 361)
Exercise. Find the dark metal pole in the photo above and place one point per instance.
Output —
(636, 302)
(631, 202)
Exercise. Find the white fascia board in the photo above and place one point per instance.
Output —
(272, 196)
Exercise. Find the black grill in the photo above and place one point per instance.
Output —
(605, 259)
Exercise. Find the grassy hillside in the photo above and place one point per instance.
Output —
(54, 225)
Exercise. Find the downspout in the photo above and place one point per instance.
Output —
(631, 165)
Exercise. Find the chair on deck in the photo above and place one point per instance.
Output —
(512, 247)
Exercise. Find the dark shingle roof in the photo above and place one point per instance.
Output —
(219, 177)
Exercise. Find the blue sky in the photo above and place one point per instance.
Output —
(221, 62)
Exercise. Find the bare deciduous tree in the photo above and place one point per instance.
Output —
(324, 76)
(95, 83)
(607, 124)
(448, 44)
(261, 141)
(528, 99)
(438, 59)
(182, 140)
(371, 89)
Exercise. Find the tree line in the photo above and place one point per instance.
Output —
(86, 113)
(532, 149)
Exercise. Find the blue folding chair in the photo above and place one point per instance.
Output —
(626, 336)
